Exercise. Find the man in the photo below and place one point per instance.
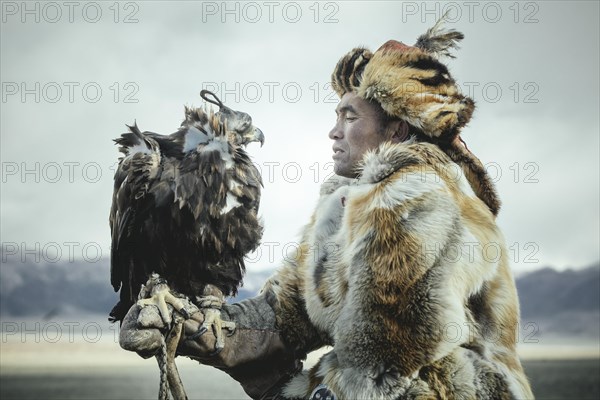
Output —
(394, 270)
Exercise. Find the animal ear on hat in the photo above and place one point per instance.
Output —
(347, 74)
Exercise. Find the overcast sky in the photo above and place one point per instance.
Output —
(73, 74)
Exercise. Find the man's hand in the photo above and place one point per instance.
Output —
(254, 355)
(143, 330)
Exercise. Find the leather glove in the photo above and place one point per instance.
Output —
(142, 331)
(254, 355)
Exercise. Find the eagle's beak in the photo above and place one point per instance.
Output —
(255, 135)
(259, 135)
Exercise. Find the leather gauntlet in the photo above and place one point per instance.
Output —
(254, 355)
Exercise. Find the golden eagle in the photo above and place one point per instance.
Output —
(185, 207)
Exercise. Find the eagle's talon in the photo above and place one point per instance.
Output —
(185, 313)
(229, 326)
(216, 352)
(213, 321)
(157, 293)
(201, 331)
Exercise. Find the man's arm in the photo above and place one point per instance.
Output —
(272, 335)
(254, 355)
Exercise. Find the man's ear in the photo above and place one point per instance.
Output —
(399, 130)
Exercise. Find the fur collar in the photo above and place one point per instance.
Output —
(388, 158)
(333, 183)
(376, 165)
(382, 162)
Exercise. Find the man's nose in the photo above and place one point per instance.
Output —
(336, 132)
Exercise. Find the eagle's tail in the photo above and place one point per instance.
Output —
(118, 312)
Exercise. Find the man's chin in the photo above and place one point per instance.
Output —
(341, 171)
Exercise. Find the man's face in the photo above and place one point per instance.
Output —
(359, 127)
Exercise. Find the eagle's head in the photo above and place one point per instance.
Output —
(238, 124)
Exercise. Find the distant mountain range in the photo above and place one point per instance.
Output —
(562, 303)
(72, 288)
(559, 302)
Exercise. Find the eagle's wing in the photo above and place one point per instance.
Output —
(138, 174)
(146, 184)
(244, 183)
(248, 175)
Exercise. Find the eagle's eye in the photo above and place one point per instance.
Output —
(244, 127)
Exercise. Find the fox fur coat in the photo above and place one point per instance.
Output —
(405, 273)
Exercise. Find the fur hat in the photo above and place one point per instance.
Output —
(409, 82)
